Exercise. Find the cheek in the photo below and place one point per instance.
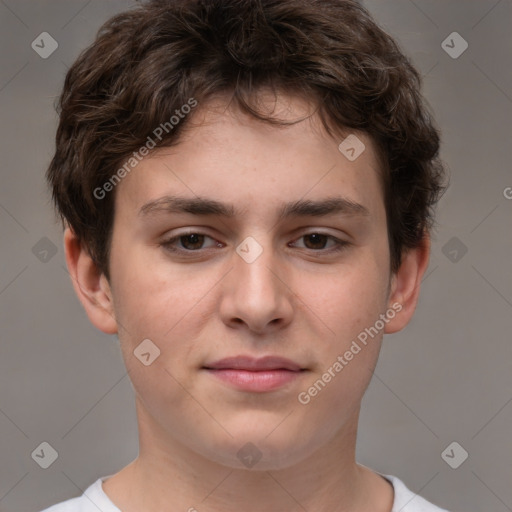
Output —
(170, 307)
(350, 299)
(152, 298)
(161, 307)
(349, 303)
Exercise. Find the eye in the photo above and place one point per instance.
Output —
(190, 242)
(317, 241)
(194, 242)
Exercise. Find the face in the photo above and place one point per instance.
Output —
(204, 285)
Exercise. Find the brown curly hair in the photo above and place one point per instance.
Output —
(150, 60)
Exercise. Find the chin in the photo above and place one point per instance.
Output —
(258, 450)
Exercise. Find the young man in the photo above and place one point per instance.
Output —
(246, 188)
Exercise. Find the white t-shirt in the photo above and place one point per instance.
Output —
(94, 499)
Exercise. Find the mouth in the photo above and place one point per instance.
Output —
(257, 375)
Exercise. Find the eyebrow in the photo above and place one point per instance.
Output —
(300, 208)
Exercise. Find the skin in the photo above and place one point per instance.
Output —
(295, 300)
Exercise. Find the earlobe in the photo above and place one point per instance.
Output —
(91, 286)
(405, 285)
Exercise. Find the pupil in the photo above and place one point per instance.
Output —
(316, 237)
(196, 240)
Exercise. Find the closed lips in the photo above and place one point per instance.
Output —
(255, 365)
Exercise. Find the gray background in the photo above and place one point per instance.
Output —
(446, 377)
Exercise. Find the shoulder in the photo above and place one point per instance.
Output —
(407, 501)
(92, 500)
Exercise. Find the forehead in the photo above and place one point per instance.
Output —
(224, 152)
(222, 122)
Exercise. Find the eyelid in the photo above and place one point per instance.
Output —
(339, 244)
(168, 242)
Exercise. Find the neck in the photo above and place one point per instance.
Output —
(169, 476)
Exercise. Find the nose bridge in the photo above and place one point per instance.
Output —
(255, 292)
(254, 268)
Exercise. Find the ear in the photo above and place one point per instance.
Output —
(405, 285)
(91, 286)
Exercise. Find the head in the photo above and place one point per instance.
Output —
(299, 156)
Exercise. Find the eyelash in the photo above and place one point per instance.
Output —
(168, 244)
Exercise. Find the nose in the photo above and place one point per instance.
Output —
(257, 294)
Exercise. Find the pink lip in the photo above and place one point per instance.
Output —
(254, 364)
(249, 374)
